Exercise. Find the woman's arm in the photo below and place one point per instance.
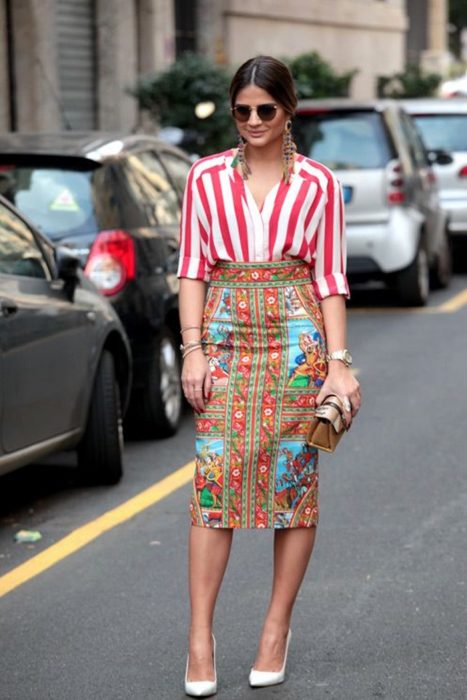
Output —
(340, 380)
(196, 376)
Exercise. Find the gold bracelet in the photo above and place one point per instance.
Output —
(196, 347)
(190, 328)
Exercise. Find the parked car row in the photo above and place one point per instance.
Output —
(116, 203)
(79, 346)
(397, 230)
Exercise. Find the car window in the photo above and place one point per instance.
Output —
(152, 189)
(343, 140)
(414, 141)
(19, 251)
(443, 131)
(178, 170)
(58, 201)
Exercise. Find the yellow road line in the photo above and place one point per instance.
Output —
(454, 304)
(90, 531)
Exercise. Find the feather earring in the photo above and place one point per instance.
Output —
(288, 152)
(241, 160)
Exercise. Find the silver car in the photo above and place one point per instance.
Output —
(396, 229)
(443, 126)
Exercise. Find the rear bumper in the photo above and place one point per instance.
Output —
(375, 249)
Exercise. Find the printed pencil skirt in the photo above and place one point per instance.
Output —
(264, 339)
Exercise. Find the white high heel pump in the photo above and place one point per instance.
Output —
(202, 689)
(259, 679)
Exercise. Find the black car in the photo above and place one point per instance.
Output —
(116, 201)
(65, 360)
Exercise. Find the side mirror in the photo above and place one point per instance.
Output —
(68, 264)
(439, 157)
(171, 263)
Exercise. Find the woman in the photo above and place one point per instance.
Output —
(264, 226)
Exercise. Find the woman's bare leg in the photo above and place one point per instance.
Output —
(209, 550)
(292, 551)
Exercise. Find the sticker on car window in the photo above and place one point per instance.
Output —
(64, 201)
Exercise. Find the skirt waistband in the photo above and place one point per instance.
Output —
(260, 274)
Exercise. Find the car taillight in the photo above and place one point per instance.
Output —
(463, 171)
(396, 192)
(111, 263)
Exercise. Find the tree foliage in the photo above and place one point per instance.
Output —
(314, 77)
(413, 82)
(171, 96)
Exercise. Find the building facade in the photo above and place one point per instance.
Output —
(68, 64)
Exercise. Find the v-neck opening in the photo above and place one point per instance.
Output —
(274, 189)
(249, 194)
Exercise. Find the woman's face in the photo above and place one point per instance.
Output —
(256, 131)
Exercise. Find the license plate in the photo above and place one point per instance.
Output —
(347, 192)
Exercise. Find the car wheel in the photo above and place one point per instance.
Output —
(413, 283)
(442, 269)
(156, 410)
(100, 452)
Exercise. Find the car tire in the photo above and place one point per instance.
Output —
(155, 411)
(100, 452)
(413, 283)
(442, 269)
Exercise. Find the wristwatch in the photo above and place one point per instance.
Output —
(342, 355)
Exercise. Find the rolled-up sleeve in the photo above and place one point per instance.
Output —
(330, 259)
(193, 232)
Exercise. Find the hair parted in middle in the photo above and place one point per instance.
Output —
(271, 75)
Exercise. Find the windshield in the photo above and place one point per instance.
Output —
(343, 140)
(443, 131)
(59, 202)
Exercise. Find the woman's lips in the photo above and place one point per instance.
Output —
(256, 133)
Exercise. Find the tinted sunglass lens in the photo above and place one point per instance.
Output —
(242, 113)
(266, 112)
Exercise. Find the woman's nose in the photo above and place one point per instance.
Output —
(254, 118)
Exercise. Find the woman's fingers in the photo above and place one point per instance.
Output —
(207, 387)
(194, 394)
(196, 387)
(348, 390)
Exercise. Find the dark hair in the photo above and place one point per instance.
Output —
(269, 74)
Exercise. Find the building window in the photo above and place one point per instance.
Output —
(77, 63)
(185, 26)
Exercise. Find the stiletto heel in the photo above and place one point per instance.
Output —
(202, 689)
(259, 679)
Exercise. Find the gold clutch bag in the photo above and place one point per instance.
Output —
(327, 425)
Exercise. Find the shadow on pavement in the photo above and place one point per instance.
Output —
(23, 488)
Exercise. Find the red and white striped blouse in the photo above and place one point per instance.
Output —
(303, 220)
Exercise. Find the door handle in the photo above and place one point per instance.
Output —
(8, 308)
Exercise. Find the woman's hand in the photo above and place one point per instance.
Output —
(341, 382)
(196, 379)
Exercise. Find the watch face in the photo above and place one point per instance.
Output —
(347, 357)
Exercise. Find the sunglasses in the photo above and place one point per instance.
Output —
(265, 112)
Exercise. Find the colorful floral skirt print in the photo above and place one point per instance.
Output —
(264, 339)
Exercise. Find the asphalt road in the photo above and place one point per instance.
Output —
(382, 612)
